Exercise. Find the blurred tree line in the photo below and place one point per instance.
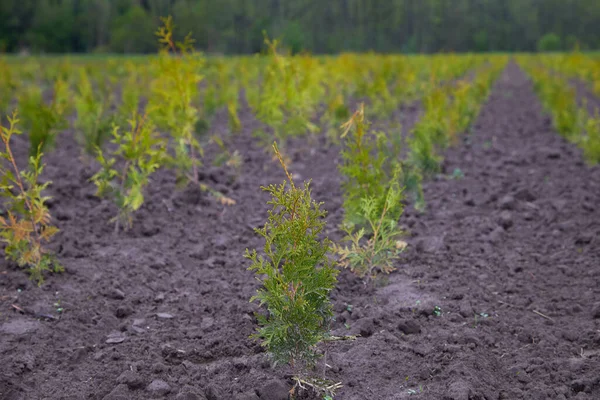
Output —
(319, 26)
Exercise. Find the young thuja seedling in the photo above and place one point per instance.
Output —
(41, 120)
(26, 225)
(457, 174)
(126, 172)
(591, 140)
(93, 121)
(171, 105)
(367, 169)
(376, 251)
(437, 311)
(296, 276)
(226, 157)
(287, 96)
(477, 317)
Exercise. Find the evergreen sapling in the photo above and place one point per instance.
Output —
(139, 151)
(171, 105)
(42, 121)
(374, 252)
(372, 200)
(296, 276)
(26, 224)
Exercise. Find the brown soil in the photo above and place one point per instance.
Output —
(510, 254)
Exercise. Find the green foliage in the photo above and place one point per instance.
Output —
(367, 168)
(126, 171)
(53, 26)
(288, 94)
(449, 111)
(235, 26)
(591, 142)
(226, 157)
(296, 275)
(234, 120)
(132, 32)
(549, 42)
(422, 151)
(375, 252)
(132, 92)
(43, 121)
(559, 99)
(294, 37)
(7, 87)
(93, 122)
(575, 122)
(171, 105)
(26, 225)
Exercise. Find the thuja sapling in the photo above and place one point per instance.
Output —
(226, 157)
(422, 153)
(296, 276)
(7, 86)
(366, 167)
(126, 172)
(26, 224)
(591, 141)
(235, 124)
(93, 122)
(43, 121)
(171, 105)
(372, 200)
(374, 252)
(288, 94)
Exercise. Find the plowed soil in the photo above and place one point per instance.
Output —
(507, 252)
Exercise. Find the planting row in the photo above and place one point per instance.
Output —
(585, 68)
(573, 119)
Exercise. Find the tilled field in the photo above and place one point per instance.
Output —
(508, 251)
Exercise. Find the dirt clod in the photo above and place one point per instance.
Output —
(159, 387)
(274, 390)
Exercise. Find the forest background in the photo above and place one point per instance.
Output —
(316, 26)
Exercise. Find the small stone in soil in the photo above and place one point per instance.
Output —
(133, 380)
(116, 294)
(189, 393)
(589, 207)
(409, 327)
(115, 338)
(525, 195)
(274, 390)
(506, 220)
(207, 322)
(164, 316)
(458, 390)
(123, 311)
(431, 244)
(159, 387)
(247, 396)
(213, 392)
(583, 238)
(495, 236)
(507, 202)
(364, 326)
(120, 392)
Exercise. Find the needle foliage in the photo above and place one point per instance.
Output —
(126, 172)
(26, 225)
(295, 273)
